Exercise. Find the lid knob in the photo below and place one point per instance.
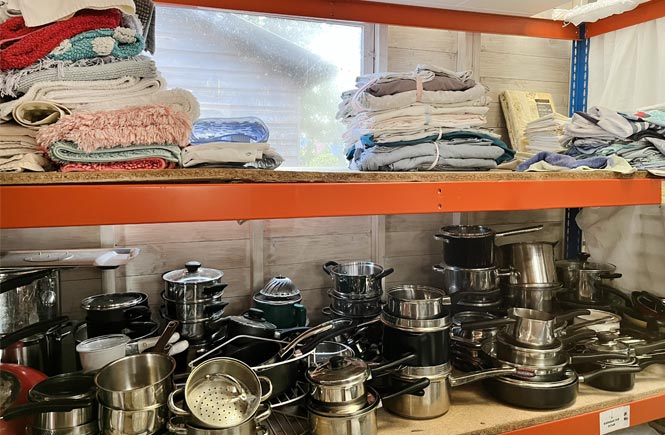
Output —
(254, 314)
(336, 362)
(192, 266)
(605, 337)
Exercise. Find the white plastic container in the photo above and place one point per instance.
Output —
(96, 352)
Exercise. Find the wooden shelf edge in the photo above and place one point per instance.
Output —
(109, 204)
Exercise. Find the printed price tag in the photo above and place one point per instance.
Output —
(614, 419)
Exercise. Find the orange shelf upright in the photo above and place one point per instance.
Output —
(641, 411)
(651, 10)
(395, 14)
(89, 204)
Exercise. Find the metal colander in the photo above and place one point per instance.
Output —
(220, 400)
(280, 287)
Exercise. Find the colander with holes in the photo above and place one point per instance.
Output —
(221, 393)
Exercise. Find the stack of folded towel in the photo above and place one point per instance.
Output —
(19, 150)
(546, 133)
(429, 119)
(140, 137)
(67, 58)
(230, 142)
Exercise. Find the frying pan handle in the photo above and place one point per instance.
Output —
(647, 362)
(384, 274)
(570, 314)
(379, 369)
(484, 324)
(518, 231)
(606, 275)
(326, 266)
(642, 349)
(576, 336)
(22, 280)
(606, 370)
(594, 357)
(411, 388)
(323, 327)
(63, 405)
(483, 374)
(171, 403)
(265, 396)
(29, 330)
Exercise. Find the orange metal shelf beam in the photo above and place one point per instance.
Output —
(648, 11)
(66, 205)
(641, 411)
(402, 15)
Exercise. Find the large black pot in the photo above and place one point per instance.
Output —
(431, 348)
(110, 313)
(472, 246)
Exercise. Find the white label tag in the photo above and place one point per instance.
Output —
(614, 419)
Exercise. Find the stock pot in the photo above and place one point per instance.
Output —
(193, 283)
(359, 279)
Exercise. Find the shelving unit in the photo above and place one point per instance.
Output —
(57, 199)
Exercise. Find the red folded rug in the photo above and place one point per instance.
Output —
(132, 165)
(33, 43)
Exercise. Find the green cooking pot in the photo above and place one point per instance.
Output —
(282, 313)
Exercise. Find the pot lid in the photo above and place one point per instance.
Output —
(112, 301)
(280, 287)
(193, 273)
(253, 318)
(467, 231)
(607, 341)
(66, 386)
(339, 371)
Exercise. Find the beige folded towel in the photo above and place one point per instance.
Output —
(34, 114)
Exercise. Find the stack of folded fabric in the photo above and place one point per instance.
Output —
(230, 142)
(60, 59)
(546, 133)
(638, 138)
(139, 137)
(429, 119)
(19, 150)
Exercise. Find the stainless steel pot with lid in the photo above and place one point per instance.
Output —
(592, 274)
(193, 283)
(341, 380)
(113, 301)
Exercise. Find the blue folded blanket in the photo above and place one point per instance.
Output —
(564, 161)
(248, 129)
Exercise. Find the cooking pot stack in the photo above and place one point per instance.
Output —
(357, 289)
(193, 296)
(132, 393)
(469, 271)
(118, 313)
(587, 283)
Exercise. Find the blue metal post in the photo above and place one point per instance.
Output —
(579, 79)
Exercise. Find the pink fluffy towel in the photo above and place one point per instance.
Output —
(133, 165)
(139, 125)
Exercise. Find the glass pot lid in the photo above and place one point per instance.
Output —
(113, 301)
(342, 371)
(253, 318)
(193, 273)
(280, 288)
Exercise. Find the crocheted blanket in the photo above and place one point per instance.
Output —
(74, 94)
(129, 126)
(119, 42)
(33, 43)
(15, 82)
(69, 152)
(133, 165)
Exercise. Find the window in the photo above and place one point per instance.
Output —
(288, 72)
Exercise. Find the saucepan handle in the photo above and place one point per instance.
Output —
(171, 403)
(389, 366)
(607, 370)
(483, 374)
(484, 324)
(518, 231)
(415, 388)
(385, 273)
(327, 265)
(265, 396)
